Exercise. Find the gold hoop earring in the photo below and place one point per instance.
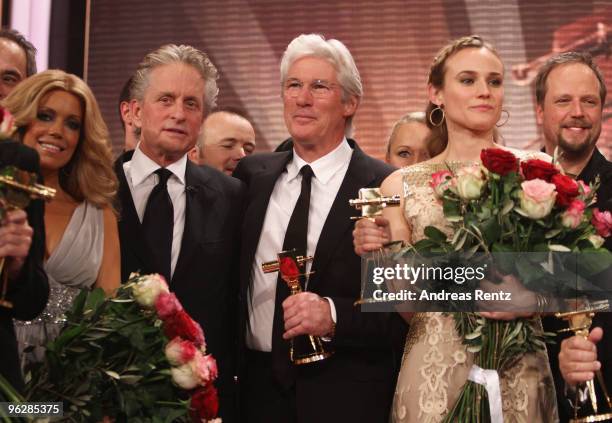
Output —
(499, 125)
(435, 110)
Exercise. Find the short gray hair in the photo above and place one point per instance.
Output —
(169, 54)
(336, 53)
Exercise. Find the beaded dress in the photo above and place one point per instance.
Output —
(435, 364)
(73, 265)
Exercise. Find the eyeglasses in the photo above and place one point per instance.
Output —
(319, 88)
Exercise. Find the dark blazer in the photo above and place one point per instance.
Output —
(30, 291)
(596, 166)
(357, 383)
(205, 279)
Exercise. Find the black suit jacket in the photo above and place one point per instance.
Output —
(596, 166)
(205, 279)
(29, 292)
(357, 382)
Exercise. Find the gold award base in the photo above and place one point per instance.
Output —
(606, 417)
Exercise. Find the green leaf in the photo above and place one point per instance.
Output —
(508, 205)
(435, 234)
(474, 348)
(461, 241)
(95, 298)
(552, 233)
(559, 248)
(491, 230)
(473, 335)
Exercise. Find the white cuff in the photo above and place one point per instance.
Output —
(334, 316)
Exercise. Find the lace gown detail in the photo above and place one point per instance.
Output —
(73, 265)
(435, 364)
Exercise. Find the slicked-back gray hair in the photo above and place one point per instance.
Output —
(169, 54)
(336, 53)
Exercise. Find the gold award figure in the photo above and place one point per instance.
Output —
(303, 349)
(17, 189)
(580, 323)
(371, 203)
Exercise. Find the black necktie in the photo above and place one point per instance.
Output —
(158, 223)
(295, 237)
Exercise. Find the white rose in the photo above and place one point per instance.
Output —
(184, 376)
(470, 182)
(596, 240)
(148, 289)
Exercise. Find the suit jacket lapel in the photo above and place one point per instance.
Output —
(130, 228)
(338, 220)
(200, 203)
(261, 186)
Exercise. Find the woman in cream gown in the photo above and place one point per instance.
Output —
(466, 94)
(57, 115)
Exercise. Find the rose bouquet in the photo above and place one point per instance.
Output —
(510, 206)
(135, 357)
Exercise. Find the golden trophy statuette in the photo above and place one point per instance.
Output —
(17, 189)
(303, 349)
(580, 323)
(371, 203)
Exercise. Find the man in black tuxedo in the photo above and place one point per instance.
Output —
(179, 219)
(570, 95)
(22, 242)
(321, 90)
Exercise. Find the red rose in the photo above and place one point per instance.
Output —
(167, 305)
(538, 169)
(204, 404)
(499, 161)
(181, 324)
(288, 268)
(567, 189)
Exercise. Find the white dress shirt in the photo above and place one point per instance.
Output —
(329, 172)
(141, 178)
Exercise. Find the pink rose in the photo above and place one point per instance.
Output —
(602, 221)
(148, 288)
(179, 351)
(572, 217)
(585, 189)
(167, 305)
(537, 198)
(440, 182)
(204, 367)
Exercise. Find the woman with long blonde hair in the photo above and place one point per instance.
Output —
(57, 115)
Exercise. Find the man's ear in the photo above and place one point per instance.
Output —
(194, 155)
(126, 112)
(539, 114)
(136, 111)
(350, 106)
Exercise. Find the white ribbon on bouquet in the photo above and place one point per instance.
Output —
(490, 380)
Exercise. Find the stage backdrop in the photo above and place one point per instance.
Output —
(393, 43)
